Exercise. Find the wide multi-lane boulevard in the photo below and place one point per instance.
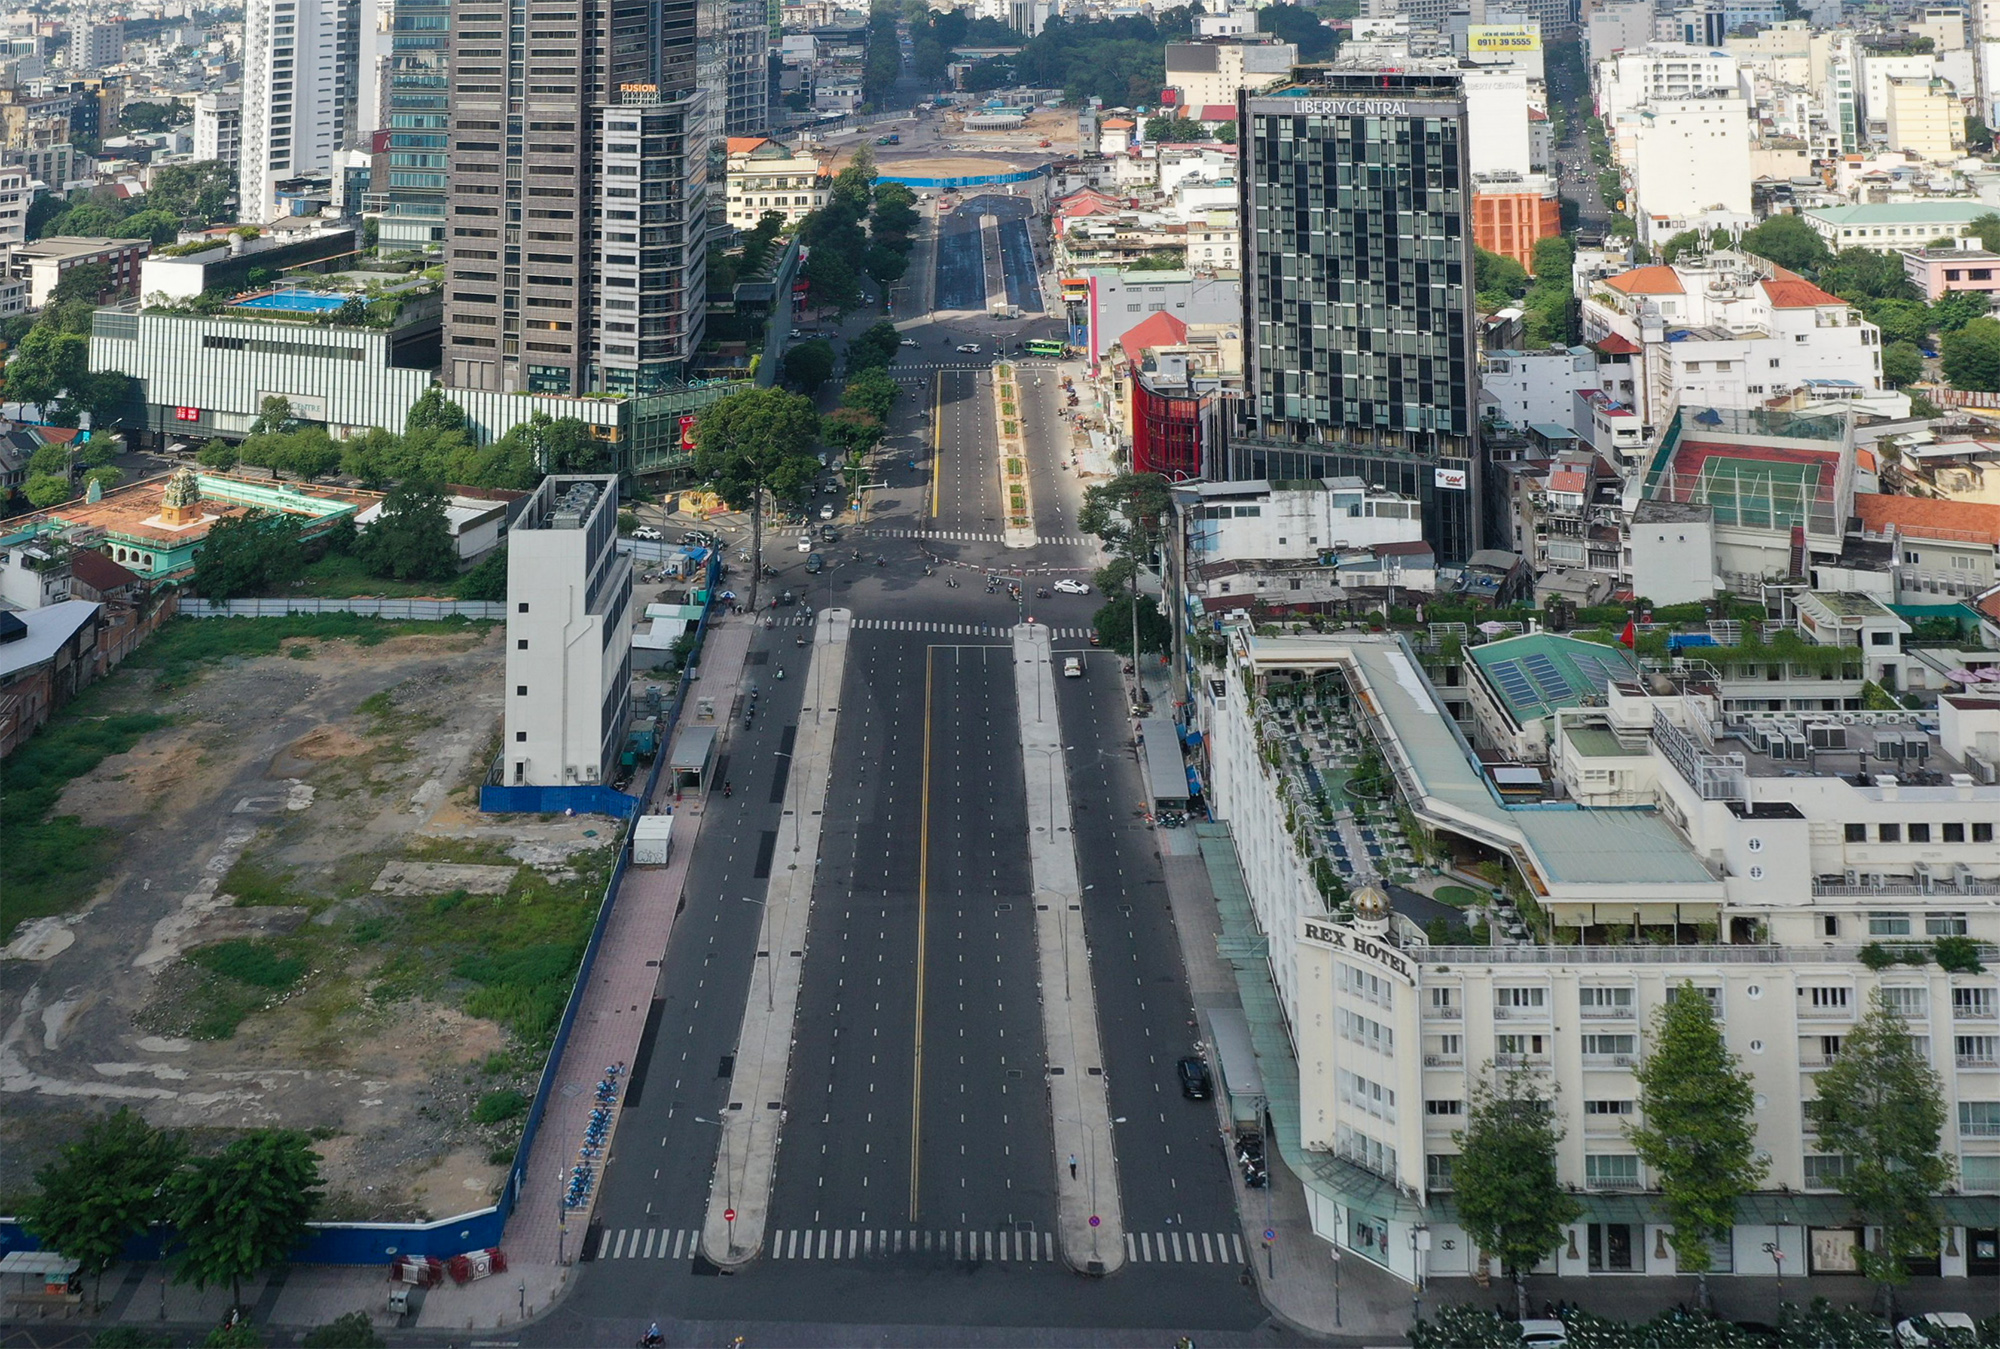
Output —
(916, 1192)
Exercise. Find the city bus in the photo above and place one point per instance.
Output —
(1046, 347)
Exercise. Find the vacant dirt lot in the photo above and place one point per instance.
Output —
(238, 968)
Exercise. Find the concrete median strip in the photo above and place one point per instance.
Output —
(753, 1123)
(1089, 1212)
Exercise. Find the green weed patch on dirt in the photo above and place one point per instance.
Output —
(50, 866)
(179, 648)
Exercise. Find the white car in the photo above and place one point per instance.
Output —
(1544, 1332)
(1069, 587)
(1937, 1328)
(647, 532)
(968, 348)
(1072, 668)
(826, 511)
(909, 342)
(805, 545)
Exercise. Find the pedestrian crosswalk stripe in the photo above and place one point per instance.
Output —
(960, 536)
(1237, 1242)
(960, 629)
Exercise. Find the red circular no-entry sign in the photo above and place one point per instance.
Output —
(729, 1215)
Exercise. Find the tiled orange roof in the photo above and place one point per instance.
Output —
(1920, 517)
(743, 145)
(1654, 280)
(1119, 124)
(1615, 344)
(1159, 329)
(1798, 295)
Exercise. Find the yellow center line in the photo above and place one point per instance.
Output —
(937, 441)
(923, 898)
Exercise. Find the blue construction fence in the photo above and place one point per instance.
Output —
(889, 175)
(378, 1243)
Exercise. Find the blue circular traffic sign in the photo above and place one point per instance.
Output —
(1269, 1235)
(1094, 1220)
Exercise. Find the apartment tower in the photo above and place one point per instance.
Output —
(576, 210)
(1358, 292)
(304, 97)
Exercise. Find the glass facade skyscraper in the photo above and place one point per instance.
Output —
(409, 180)
(1359, 328)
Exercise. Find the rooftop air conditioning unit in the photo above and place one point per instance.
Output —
(1853, 877)
(1827, 735)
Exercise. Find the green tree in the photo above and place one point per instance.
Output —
(1301, 26)
(159, 227)
(352, 1331)
(1786, 240)
(1986, 227)
(832, 282)
(46, 366)
(241, 1335)
(273, 414)
(1504, 1178)
(1857, 274)
(1972, 355)
(1687, 241)
(1497, 274)
(1880, 1106)
(44, 490)
(1957, 308)
(894, 211)
(147, 118)
(242, 554)
(411, 539)
(874, 349)
(885, 263)
(1128, 513)
(199, 193)
(1174, 130)
(1698, 1135)
(1117, 621)
(752, 443)
(102, 1190)
(873, 392)
(1900, 320)
(245, 1209)
(434, 412)
(851, 430)
(219, 455)
(106, 477)
(809, 365)
(1902, 364)
(487, 581)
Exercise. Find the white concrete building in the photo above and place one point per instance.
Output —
(306, 95)
(1209, 73)
(1724, 330)
(1878, 70)
(1496, 119)
(1617, 27)
(1748, 861)
(17, 193)
(1888, 226)
(569, 652)
(1690, 160)
(1629, 80)
(96, 43)
(218, 126)
(1259, 521)
(1526, 387)
(767, 175)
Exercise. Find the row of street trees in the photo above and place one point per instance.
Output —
(865, 228)
(1879, 1106)
(234, 1213)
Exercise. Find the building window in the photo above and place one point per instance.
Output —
(1972, 1004)
(1909, 1003)
(1519, 999)
(1517, 1047)
(1979, 1119)
(1621, 1108)
(1611, 1171)
(1888, 925)
(520, 690)
(1944, 925)
(1889, 833)
(1975, 1051)
(1612, 1000)
(521, 644)
(520, 736)
(1829, 997)
(1982, 832)
(1920, 833)
(1857, 833)
(1609, 1046)
(1824, 1173)
(521, 608)
(1437, 1170)
(1451, 1107)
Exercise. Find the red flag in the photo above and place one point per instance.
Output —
(1629, 637)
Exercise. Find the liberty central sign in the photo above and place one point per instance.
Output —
(1354, 107)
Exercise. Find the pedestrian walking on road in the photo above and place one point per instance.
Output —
(1072, 1166)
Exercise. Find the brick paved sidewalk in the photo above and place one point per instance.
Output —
(613, 1014)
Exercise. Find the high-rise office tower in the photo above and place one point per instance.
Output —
(306, 94)
(1358, 292)
(578, 198)
(409, 180)
(749, 111)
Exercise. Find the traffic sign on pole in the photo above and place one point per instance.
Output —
(1094, 1220)
(729, 1215)
(1269, 1235)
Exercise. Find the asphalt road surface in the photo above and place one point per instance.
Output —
(941, 1169)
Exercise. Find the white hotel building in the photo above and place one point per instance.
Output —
(1770, 871)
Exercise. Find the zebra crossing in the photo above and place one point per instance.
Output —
(1184, 1248)
(991, 630)
(863, 1243)
(959, 536)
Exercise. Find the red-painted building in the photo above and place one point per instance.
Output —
(1170, 430)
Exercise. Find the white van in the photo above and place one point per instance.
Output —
(1073, 668)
